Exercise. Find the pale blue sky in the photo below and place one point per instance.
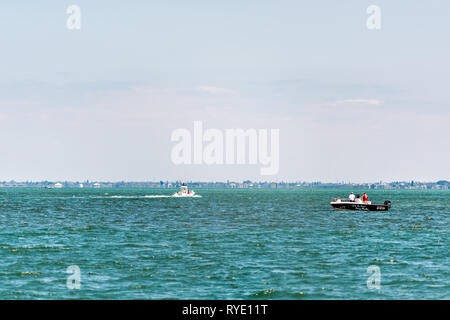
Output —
(101, 102)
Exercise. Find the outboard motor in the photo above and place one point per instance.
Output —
(387, 203)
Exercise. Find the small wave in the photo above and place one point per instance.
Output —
(43, 247)
(33, 273)
(276, 294)
(265, 293)
(20, 273)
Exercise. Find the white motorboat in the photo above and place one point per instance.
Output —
(185, 192)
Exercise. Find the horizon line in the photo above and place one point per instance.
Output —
(218, 181)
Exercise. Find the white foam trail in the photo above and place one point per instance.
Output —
(148, 197)
(157, 196)
(139, 197)
(194, 196)
(152, 197)
(124, 197)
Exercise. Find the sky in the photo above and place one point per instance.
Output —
(101, 102)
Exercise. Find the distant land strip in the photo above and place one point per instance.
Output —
(247, 184)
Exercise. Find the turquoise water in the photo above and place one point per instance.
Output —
(229, 244)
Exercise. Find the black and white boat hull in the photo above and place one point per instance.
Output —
(344, 205)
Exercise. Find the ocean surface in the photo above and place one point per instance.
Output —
(228, 244)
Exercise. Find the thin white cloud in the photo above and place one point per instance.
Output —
(214, 90)
(357, 101)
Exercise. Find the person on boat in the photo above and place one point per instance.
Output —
(365, 197)
(351, 197)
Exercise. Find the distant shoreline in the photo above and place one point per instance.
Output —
(247, 184)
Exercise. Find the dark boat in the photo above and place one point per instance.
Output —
(359, 205)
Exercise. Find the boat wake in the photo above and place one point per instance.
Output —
(139, 197)
(154, 196)
(129, 197)
(184, 192)
(190, 196)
